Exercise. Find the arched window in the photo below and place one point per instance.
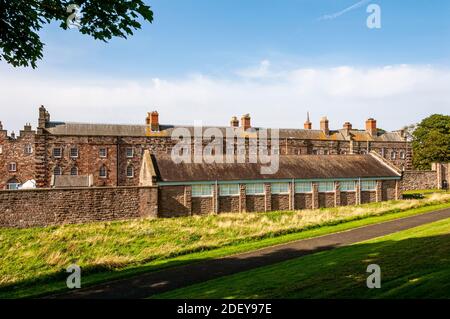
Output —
(57, 170)
(402, 155)
(74, 171)
(103, 173)
(130, 171)
(12, 184)
(393, 155)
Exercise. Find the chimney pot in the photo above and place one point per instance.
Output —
(307, 125)
(245, 122)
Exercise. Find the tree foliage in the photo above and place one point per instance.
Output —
(21, 20)
(431, 141)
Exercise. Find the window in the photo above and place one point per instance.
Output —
(12, 167)
(348, 186)
(402, 155)
(57, 171)
(28, 149)
(74, 152)
(103, 152)
(201, 190)
(130, 152)
(57, 152)
(1, 149)
(303, 187)
(368, 185)
(254, 189)
(393, 155)
(130, 171)
(326, 152)
(74, 171)
(103, 173)
(279, 188)
(229, 189)
(12, 184)
(326, 187)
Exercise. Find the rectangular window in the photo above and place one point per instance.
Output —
(74, 152)
(12, 167)
(202, 190)
(279, 188)
(303, 187)
(229, 190)
(28, 149)
(325, 187)
(57, 152)
(103, 152)
(130, 152)
(254, 189)
(1, 149)
(130, 171)
(368, 185)
(348, 186)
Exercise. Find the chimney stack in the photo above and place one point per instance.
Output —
(234, 121)
(153, 120)
(27, 127)
(371, 127)
(1, 126)
(324, 125)
(245, 122)
(44, 117)
(307, 125)
(347, 126)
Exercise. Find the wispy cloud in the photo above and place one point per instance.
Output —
(342, 12)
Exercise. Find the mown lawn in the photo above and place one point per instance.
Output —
(414, 264)
(33, 261)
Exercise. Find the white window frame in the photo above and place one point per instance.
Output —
(369, 185)
(1, 149)
(254, 189)
(103, 167)
(202, 190)
(229, 190)
(72, 170)
(132, 171)
(402, 155)
(12, 186)
(12, 167)
(60, 152)
(327, 190)
(301, 189)
(279, 188)
(346, 188)
(60, 170)
(132, 152)
(28, 150)
(100, 152)
(73, 149)
(393, 155)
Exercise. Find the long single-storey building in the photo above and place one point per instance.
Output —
(302, 182)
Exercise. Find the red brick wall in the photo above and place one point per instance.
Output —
(202, 205)
(326, 199)
(228, 204)
(303, 201)
(255, 203)
(280, 202)
(42, 207)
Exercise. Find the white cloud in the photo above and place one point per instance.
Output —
(344, 11)
(395, 95)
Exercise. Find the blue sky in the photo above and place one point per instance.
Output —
(209, 59)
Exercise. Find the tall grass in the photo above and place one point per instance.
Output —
(28, 254)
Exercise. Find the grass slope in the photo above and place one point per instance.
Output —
(33, 261)
(414, 264)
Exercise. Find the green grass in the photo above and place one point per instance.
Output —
(33, 261)
(414, 264)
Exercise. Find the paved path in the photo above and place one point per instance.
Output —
(145, 285)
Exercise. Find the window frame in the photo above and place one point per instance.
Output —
(100, 152)
(71, 155)
(60, 152)
(364, 184)
(198, 190)
(302, 190)
(132, 171)
(100, 175)
(346, 189)
(28, 149)
(54, 170)
(1, 149)
(132, 152)
(393, 155)
(254, 190)
(225, 190)
(72, 170)
(10, 165)
(277, 190)
(327, 190)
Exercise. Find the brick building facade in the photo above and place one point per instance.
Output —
(112, 154)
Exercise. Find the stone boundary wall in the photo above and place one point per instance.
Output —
(417, 180)
(44, 207)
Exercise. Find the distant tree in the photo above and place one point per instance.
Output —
(431, 141)
(20, 21)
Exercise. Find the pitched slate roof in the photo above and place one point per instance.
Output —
(88, 129)
(290, 167)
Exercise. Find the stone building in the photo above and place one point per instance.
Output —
(111, 154)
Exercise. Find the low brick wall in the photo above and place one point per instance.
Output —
(415, 180)
(43, 207)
